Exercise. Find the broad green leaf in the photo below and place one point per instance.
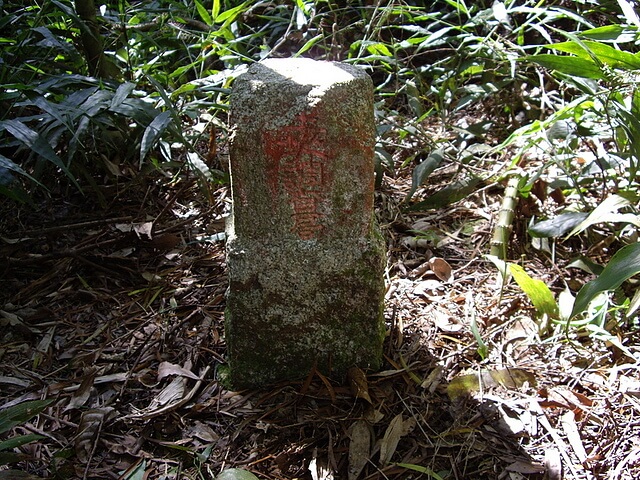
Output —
(603, 213)
(557, 226)
(310, 43)
(572, 66)
(502, 266)
(215, 10)
(450, 194)
(204, 14)
(17, 475)
(422, 171)
(139, 472)
(605, 54)
(413, 98)
(59, 112)
(186, 87)
(379, 49)
(231, 14)
(122, 93)
(9, 457)
(96, 103)
(16, 192)
(236, 474)
(20, 413)
(9, 165)
(608, 32)
(458, 5)
(14, 442)
(622, 266)
(482, 350)
(537, 291)
(137, 109)
(37, 144)
(435, 36)
(566, 300)
(586, 265)
(153, 132)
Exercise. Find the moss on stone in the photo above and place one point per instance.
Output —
(306, 265)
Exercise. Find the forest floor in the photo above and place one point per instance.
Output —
(116, 314)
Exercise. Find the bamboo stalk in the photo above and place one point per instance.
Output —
(503, 228)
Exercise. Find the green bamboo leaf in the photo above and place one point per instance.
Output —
(622, 266)
(482, 350)
(572, 66)
(139, 472)
(421, 469)
(449, 194)
(121, 94)
(378, 48)
(204, 14)
(603, 213)
(37, 144)
(557, 226)
(605, 54)
(19, 441)
(8, 164)
(20, 413)
(537, 291)
(17, 475)
(153, 132)
(422, 171)
(231, 14)
(310, 43)
(609, 32)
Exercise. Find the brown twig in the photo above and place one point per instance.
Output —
(73, 226)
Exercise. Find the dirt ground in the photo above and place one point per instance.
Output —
(116, 314)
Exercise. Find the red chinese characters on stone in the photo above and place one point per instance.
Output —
(297, 163)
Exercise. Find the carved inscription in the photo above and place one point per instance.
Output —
(297, 163)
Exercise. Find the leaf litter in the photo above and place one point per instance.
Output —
(124, 335)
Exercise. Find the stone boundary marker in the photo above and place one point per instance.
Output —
(306, 262)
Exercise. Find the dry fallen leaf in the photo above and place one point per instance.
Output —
(573, 436)
(441, 268)
(359, 448)
(507, 377)
(166, 368)
(81, 395)
(390, 440)
(141, 229)
(428, 287)
(358, 384)
(88, 432)
(553, 464)
(433, 379)
(319, 469)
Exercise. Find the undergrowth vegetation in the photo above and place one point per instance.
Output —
(535, 100)
(544, 94)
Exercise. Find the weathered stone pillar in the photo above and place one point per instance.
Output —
(305, 259)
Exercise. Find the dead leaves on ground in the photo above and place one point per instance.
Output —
(128, 355)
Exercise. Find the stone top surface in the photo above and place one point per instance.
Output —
(302, 151)
(304, 71)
